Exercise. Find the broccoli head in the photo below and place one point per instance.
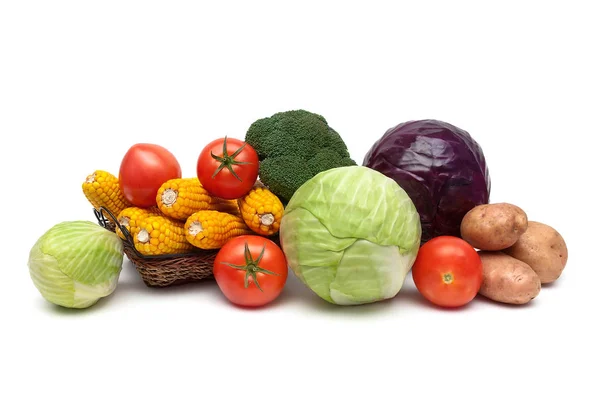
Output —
(294, 146)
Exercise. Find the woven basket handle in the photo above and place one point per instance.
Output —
(103, 221)
(100, 215)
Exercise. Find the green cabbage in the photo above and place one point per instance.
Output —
(351, 234)
(75, 263)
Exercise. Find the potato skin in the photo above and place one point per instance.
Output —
(543, 249)
(493, 226)
(507, 280)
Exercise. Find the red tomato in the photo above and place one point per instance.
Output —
(448, 271)
(144, 168)
(228, 168)
(250, 270)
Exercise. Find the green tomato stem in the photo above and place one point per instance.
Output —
(251, 266)
(228, 161)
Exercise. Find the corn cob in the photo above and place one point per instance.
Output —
(158, 234)
(210, 229)
(129, 218)
(180, 198)
(102, 190)
(261, 210)
(227, 206)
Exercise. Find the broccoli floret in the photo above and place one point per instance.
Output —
(323, 160)
(293, 146)
(275, 174)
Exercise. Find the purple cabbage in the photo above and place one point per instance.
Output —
(441, 167)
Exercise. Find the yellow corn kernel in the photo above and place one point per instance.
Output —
(159, 234)
(102, 190)
(180, 198)
(261, 210)
(210, 229)
(130, 217)
(227, 206)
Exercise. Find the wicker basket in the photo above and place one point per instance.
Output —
(162, 270)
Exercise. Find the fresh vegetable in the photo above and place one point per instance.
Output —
(130, 218)
(227, 168)
(250, 270)
(293, 146)
(493, 226)
(180, 198)
(543, 249)
(441, 167)
(227, 206)
(351, 235)
(448, 271)
(143, 169)
(261, 210)
(159, 234)
(209, 229)
(102, 189)
(76, 263)
(507, 280)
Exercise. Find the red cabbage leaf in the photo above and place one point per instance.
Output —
(441, 167)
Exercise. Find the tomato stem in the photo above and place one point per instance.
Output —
(251, 267)
(448, 278)
(228, 161)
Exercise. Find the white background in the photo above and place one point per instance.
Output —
(80, 82)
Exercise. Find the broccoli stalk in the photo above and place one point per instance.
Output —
(294, 146)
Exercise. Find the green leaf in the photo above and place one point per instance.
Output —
(242, 267)
(238, 151)
(76, 263)
(225, 147)
(260, 256)
(351, 234)
(255, 279)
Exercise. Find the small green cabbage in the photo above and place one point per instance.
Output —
(351, 234)
(75, 263)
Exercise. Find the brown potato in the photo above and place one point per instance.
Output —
(543, 248)
(493, 226)
(507, 280)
